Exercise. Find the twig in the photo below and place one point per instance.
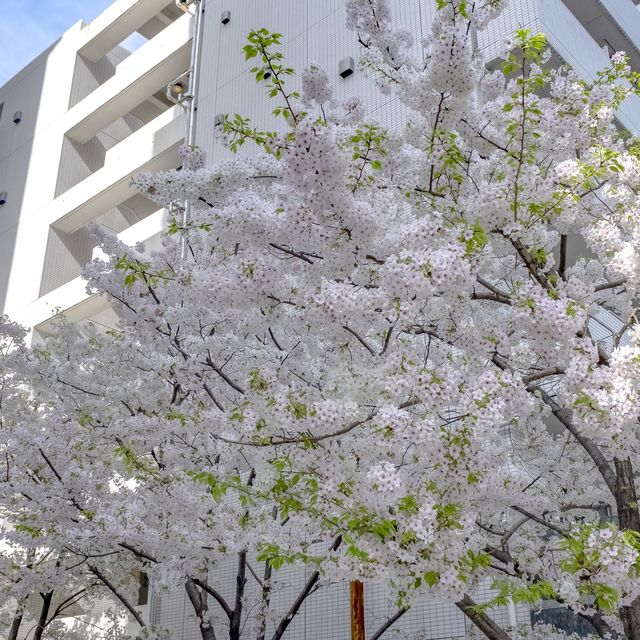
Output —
(541, 521)
(362, 341)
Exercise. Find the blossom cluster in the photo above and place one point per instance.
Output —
(370, 351)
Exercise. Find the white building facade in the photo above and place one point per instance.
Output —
(88, 114)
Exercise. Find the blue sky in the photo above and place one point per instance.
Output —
(28, 27)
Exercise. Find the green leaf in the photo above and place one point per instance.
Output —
(431, 578)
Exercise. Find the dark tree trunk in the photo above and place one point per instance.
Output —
(15, 625)
(200, 608)
(481, 620)
(44, 614)
(629, 519)
(241, 581)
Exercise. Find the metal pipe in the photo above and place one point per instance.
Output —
(195, 72)
(511, 615)
(194, 77)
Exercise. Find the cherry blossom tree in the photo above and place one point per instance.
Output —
(377, 352)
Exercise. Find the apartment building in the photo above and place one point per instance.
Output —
(89, 113)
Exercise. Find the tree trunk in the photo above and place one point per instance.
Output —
(356, 592)
(481, 620)
(241, 581)
(629, 519)
(200, 608)
(15, 625)
(44, 614)
(266, 599)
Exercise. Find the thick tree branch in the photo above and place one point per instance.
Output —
(610, 285)
(490, 629)
(199, 605)
(389, 623)
(302, 596)
(562, 266)
(215, 595)
(107, 583)
(564, 416)
(544, 373)
(241, 581)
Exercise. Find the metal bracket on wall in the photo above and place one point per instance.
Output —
(178, 90)
(186, 5)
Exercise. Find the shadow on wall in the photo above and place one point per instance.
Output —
(564, 620)
(20, 94)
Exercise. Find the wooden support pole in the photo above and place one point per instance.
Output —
(356, 589)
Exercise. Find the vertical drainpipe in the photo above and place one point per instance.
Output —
(194, 77)
(194, 69)
(511, 615)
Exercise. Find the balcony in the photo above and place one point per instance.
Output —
(151, 148)
(611, 23)
(136, 78)
(72, 296)
(117, 22)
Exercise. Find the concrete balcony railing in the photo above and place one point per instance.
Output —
(148, 230)
(151, 148)
(114, 24)
(627, 17)
(73, 297)
(576, 46)
(137, 77)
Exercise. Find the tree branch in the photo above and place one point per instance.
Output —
(107, 583)
(215, 595)
(562, 266)
(362, 341)
(481, 620)
(541, 521)
(136, 552)
(241, 581)
(224, 376)
(544, 373)
(610, 285)
(50, 465)
(564, 416)
(389, 623)
(302, 596)
(603, 466)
